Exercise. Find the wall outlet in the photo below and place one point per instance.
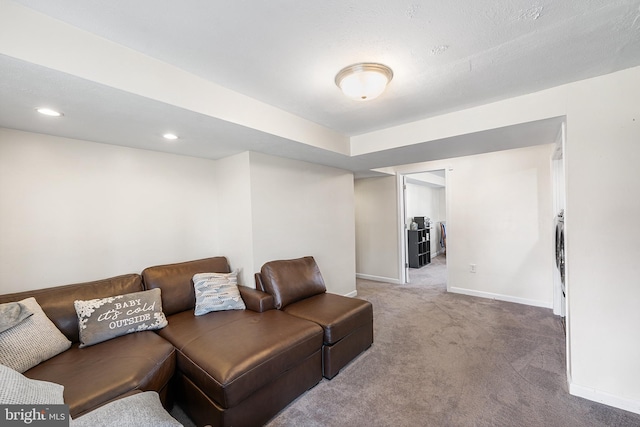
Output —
(472, 268)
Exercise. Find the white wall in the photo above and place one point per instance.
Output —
(420, 201)
(442, 215)
(603, 233)
(442, 203)
(234, 225)
(73, 211)
(301, 209)
(377, 224)
(502, 214)
(500, 217)
(427, 200)
(601, 158)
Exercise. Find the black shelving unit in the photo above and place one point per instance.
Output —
(419, 247)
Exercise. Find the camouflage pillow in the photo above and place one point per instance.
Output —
(217, 292)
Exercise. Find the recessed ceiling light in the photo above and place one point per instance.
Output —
(170, 136)
(49, 112)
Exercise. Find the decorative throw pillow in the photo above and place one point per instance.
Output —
(217, 292)
(19, 390)
(11, 314)
(138, 410)
(106, 318)
(33, 340)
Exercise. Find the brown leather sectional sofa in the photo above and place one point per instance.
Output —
(227, 368)
(100, 373)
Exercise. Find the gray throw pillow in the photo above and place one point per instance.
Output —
(217, 292)
(33, 340)
(11, 314)
(106, 318)
(138, 410)
(19, 390)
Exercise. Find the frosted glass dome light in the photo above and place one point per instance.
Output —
(364, 81)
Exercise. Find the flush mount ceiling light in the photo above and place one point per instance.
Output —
(364, 81)
(49, 112)
(170, 136)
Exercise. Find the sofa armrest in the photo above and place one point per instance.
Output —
(256, 300)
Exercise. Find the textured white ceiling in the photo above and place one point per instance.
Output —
(446, 55)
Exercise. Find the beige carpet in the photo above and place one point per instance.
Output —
(442, 359)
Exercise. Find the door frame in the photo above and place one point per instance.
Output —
(401, 181)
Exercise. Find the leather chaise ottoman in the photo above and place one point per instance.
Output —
(237, 367)
(298, 289)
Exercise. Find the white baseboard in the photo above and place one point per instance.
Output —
(351, 294)
(500, 297)
(604, 398)
(378, 278)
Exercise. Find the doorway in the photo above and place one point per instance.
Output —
(423, 224)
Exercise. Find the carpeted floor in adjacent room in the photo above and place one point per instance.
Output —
(442, 359)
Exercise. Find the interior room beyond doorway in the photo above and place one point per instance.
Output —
(424, 221)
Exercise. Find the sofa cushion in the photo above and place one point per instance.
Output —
(32, 341)
(292, 280)
(217, 292)
(95, 375)
(106, 318)
(19, 390)
(176, 283)
(137, 410)
(57, 302)
(338, 315)
(231, 354)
